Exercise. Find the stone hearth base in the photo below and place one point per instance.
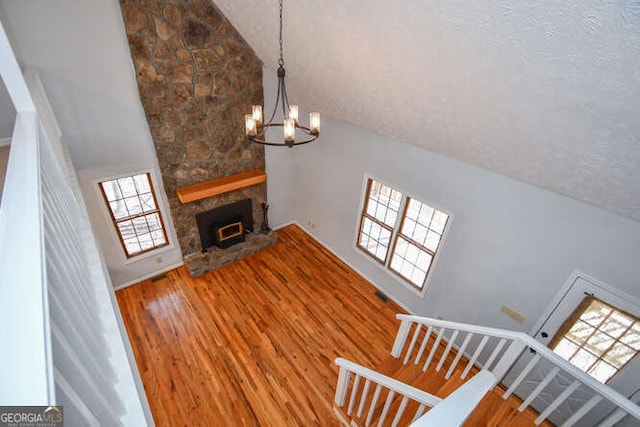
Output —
(200, 263)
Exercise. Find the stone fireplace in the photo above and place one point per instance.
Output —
(197, 78)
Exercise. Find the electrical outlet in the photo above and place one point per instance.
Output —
(513, 314)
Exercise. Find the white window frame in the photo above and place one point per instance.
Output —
(106, 212)
(392, 240)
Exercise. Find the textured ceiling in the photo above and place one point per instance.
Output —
(545, 91)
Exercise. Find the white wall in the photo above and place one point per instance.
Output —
(80, 50)
(508, 242)
(7, 113)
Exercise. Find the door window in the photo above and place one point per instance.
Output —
(598, 338)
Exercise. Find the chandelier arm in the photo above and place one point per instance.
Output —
(275, 108)
(283, 98)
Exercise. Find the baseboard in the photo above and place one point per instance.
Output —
(286, 224)
(5, 141)
(393, 298)
(148, 276)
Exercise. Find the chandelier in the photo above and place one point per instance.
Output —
(256, 128)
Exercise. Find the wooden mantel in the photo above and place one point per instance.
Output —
(201, 190)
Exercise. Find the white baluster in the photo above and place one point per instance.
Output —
(419, 412)
(372, 406)
(425, 341)
(403, 406)
(613, 418)
(547, 379)
(433, 349)
(523, 374)
(561, 398)
(475, 356)
(459, 355)
(495, 353)
(354, 392)
(385, 409)
(413, 343)
(363, 398)
(447, 350)
(583, 410)
(341, 387)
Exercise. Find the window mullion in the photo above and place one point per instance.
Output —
(393, 240)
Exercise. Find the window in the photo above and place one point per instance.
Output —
(415, 229)
(598, 338)
(135, 213)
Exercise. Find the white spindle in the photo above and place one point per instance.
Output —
(613, 418)
(76, 412)
(372, 405)
(508, 358)
(447, 350)
(354, 392)
(433, 349)
(475, 356)
(523, 374)
(561, 398)
(419, 412)
(401, 408)
(342, 387)
(385, 409)
(425, 341)
(536, 391)
(100, 398)
(412, 344)
(459, 354)
(363, 398)
(495, 353)
(582, 411)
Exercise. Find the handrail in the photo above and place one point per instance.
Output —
(418, 395)
(456, 408)
(605, 391)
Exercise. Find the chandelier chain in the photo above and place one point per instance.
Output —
(281, 60)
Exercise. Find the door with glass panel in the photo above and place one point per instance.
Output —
(597, 329)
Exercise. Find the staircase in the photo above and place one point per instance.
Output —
(444, 373)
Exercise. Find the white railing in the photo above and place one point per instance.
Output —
(456, 408)
(63, 340)
(503, 352)
(364, 407)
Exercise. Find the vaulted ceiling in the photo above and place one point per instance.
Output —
(545, 91)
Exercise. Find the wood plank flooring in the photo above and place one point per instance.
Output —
(253, 343)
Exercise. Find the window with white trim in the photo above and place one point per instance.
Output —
(135, 213)
(400, 232)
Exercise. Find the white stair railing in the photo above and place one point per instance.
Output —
(367, 389)
(498, 351)
(64, 340)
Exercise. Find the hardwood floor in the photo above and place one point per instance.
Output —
(253, 343)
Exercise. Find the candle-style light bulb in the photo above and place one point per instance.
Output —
(289, 130)
(257, 114)
(314, 122)
(251, 128)
(293, 112)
